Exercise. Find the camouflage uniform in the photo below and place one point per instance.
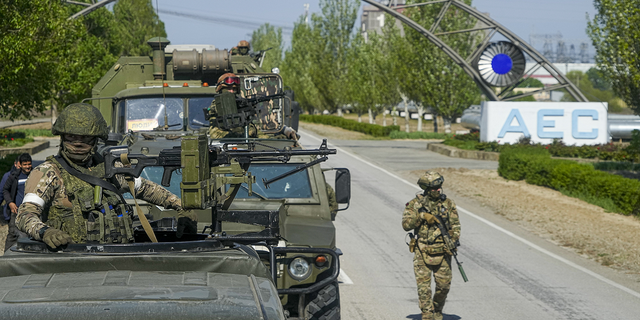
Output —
(430, 255)
(69, 201)
(71, 208)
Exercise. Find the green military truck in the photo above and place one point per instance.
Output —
(153, 103)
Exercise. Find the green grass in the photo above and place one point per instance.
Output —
(19, 142)
(30, 133)
(605, 203)
(465, 145)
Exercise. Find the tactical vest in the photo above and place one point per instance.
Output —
(430, 234)
(94, 217)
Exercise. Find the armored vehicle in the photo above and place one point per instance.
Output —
(153, 112)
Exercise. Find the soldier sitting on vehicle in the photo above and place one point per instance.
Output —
(71, 191)
(230, 82)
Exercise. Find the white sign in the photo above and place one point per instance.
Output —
(576, 123)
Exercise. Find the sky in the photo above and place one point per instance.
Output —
(224, 23)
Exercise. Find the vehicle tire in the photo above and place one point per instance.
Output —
(324, 304)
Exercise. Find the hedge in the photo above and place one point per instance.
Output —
(366, 128)
(417, 135)
(534, 165)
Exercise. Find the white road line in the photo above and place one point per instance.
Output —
(509, 233)
(344, 278)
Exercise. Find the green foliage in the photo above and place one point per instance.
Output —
(30, 54)
(7, 162)
(534, 165)
(616, 37)
(10, 138)
(316, 65)
(137, 22)
(30, 133)
(615, 166)
(598, 79)
(417, 135)
(583, 83)
(531, 83)
(265, 37)
(370, 129)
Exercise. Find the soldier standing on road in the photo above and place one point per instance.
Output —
(76, 210)
(431, 254)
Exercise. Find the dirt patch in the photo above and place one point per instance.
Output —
(609, 238)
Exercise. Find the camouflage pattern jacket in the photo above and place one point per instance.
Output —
(429, 235)
(65, 201)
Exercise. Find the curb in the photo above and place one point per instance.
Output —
(459, 153)
(30, 148)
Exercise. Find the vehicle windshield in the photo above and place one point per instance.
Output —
(155, 174)
(196, 112)
(145, 114)
(296, 185)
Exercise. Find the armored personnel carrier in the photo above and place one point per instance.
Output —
(157, 104)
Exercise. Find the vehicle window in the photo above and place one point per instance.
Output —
(145, 114)
(296, 185)
(155, 174)
(196, 113)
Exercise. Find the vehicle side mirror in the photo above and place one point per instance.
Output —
(343, 185)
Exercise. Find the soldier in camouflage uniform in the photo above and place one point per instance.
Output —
(73, 211)
(431, 255)
(243, 47)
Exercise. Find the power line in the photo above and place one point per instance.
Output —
(245, 24)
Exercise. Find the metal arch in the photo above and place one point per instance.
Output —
(541, 61)
(89, 7)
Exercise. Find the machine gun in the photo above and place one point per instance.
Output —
(259, 55)
(208, 168)
(232, 111)
(449, 244)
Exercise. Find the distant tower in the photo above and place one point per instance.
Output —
(547, 50)
(572, 54)
(584, 55)
(561, 52)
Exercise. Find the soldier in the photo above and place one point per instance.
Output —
(243, 47)
(431, 255)
(58, 189)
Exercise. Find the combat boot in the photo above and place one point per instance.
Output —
(437, 315)
(427, 316)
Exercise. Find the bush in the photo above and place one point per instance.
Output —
(417, 135)
(534, 165)
(10, 138)
(7, 162)
(366, 128)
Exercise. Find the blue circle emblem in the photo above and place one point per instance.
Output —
(501, 63)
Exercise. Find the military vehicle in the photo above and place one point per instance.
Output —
(152, 112)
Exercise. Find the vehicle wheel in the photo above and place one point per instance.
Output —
(324, 304)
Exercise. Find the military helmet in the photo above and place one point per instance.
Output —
(431, 180)
(243, 43)
(227, 80)
(81, 119)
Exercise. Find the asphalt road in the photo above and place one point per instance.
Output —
(512, 273)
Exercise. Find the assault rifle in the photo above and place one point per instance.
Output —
(449, 244)
(232, 111)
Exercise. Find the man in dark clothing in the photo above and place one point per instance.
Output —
(13, 193)
(5, 215)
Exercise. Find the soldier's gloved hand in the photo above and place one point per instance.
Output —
(55, 238)
(428, 217)
(291, 133)
(187, 222)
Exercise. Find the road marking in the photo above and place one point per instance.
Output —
(344, 278)
(493, 225)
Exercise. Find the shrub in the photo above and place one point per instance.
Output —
(534, 165)
(7, 162)
(366, 128)
(417, 135)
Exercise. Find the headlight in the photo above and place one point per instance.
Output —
(299, 269)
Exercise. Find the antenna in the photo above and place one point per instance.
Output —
(306, 13)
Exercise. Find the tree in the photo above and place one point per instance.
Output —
(265, 37)
(137, 22)
(531, 83)
(616, 37)
(30, 54)
(598, 79)
(583, 83)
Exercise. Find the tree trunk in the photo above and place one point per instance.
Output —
(359, 117)
(394, 115)
(406, 114)
(446, 122)
(340, 112)
(371, 117)
(384, 117)
(54, 111)
(435, 122)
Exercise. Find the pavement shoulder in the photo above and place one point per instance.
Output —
(459, 153)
